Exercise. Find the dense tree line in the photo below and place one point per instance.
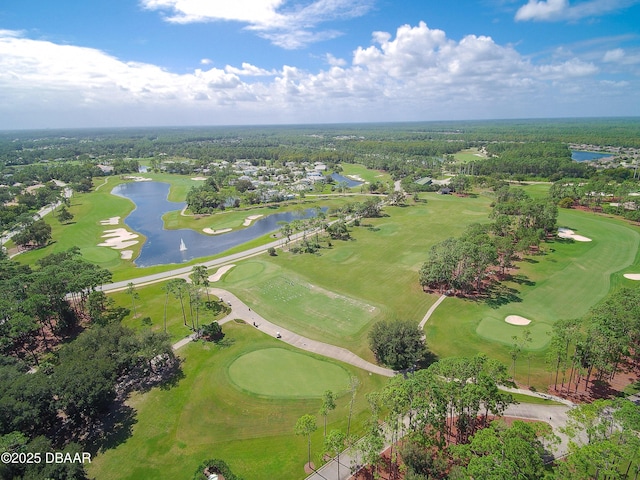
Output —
(543, 160)
(599, 193)
(52, 394)
(598, 346)
(463, 264)
(434, 409)
(442, 423)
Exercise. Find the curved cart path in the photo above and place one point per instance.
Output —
(240, 310)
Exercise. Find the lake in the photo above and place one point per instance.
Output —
(350, 183)
(163, 246)
(581, 156)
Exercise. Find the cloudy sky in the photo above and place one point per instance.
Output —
(100, 63)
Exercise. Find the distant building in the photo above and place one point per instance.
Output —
(424, 181)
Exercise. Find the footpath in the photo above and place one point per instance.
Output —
(350, 460)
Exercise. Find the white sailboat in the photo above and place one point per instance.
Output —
(183, 247)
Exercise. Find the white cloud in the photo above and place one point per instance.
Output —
(557, 10)
(334, 61)
(621, 57)
(416, 73)
(249, 70)
(259, 12)
(287, 24)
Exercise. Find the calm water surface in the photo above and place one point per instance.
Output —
(581, 156)
(340, 178)
(163, 246)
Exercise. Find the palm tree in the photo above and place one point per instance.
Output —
(177, 287)
(131, 290)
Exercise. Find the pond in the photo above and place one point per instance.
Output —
(581, 156)
(168, 246)
(350, 183)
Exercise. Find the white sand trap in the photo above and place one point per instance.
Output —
(198, 179)
(118, 238)
(110, 221)
(249, 219)
(566, 233)
(632, 276)
(126, 254)
(221, 271)
(216, 232)
(517, 320)
(357, 178)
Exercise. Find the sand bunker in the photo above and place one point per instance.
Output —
(632, 276)
(198, 179)
(517, 320)
(110, 221)
(357, 178)
(138, 179)
(566, 233)
(216, 232)
(221, 271)
(250, 219)
(126, 254)
(118, 238)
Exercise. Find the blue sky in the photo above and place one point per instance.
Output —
(117, 63)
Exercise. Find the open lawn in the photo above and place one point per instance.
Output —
(90, 209)
(564, 282)
(206, 416)
(468, 155)
(268, 373)
(151, 304)
(337, 295)
(364, 173)
(235, 219)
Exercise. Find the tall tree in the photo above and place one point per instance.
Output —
(328, 404)
(178, 286)
(306, 425)
(334, 444)
(398, 344)
(131, 290)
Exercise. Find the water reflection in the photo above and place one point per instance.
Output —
(164, 246)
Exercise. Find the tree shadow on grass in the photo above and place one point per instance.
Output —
(499, 294)
(521, 280)
(113, 429)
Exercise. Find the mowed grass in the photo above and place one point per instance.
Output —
(85, 230)
(337, 295)
(268, 373)
(234, 218)
(151, 303)
(564, 282)
(364, 173)
(205, 415)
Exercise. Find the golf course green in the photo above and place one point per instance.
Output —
(269, 373)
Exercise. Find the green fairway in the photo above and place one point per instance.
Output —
(279, 373)
(337, 295)
(370, 176)
(204, 415)
(564, 282)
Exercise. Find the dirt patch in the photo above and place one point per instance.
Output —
(597, 389)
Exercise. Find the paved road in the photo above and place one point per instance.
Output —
(67, 192)
(555, 415)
